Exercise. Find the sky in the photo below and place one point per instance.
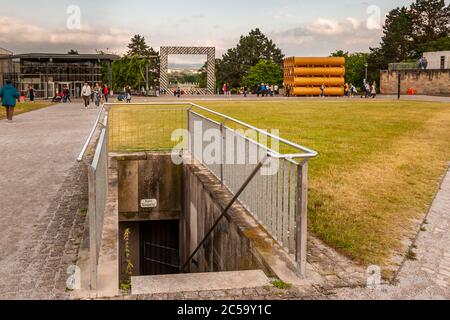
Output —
(301, 28)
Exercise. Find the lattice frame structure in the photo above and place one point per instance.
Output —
(210, 52)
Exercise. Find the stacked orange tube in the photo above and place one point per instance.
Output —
(305, 76)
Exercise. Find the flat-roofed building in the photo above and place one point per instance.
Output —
(438, 60)
(49, 73)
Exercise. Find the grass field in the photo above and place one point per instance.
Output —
(24, 107)
(379, 165)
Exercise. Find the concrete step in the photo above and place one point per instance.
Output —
(193, 282)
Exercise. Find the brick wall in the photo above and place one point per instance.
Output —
(426, 82)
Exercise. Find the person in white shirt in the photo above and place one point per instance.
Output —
(86, 94)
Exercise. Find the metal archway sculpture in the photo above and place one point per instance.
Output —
(210, 52)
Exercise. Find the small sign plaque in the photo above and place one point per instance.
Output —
(149, 203)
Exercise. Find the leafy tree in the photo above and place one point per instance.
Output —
(355, 66)
(441, 44)
(265, 71)
(252, 48)
(408, 32)
(131, 69)
(203, 76)
(430, 20)
(138, 47)
(397, 42)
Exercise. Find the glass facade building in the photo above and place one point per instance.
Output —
(48, 74)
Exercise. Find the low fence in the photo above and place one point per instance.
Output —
(400, 66)
(277, 196)
(98, 190)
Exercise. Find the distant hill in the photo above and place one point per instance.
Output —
(185, 66)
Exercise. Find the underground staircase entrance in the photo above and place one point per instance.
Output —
(160, 247)
(194, 216)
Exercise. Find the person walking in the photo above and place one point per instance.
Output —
(66, 94)
(9, 96)
(92, 92)
(322, 90)
(128, 94)
(352, 90)
(86, 93)
(374, 90)
(263, 89)
(31, 93)
(97, 94)
(106, 92)
(368, 91)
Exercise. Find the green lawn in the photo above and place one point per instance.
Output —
(379, 165)
(25, 107)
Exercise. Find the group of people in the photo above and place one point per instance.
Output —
(62, 96)
(369, 91)
(267, 90)
(264, 90)
(97, 94)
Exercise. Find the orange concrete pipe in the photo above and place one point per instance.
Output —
(331, 61)
(318, 81)
(320, 72)
(301, 91)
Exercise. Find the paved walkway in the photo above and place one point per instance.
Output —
(41, 199)
(167, 98)
(428, 277)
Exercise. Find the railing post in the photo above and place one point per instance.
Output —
(92, 228)
(190, 138)
(222, 154)
(302, 217)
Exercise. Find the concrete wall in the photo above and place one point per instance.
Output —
(426, 82)
(149, 176)
(434, 59)
(239, 243)
(229, 248)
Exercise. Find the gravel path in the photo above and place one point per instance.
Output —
(41, 199)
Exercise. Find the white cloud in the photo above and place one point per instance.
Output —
(327, 34)
(17, 32)
(332, 27)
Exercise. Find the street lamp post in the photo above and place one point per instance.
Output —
(367, 66)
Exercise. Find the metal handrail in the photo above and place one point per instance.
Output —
(309, 153)
(225, 211)
(91, 135)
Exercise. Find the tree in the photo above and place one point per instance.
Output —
(131, 69)
(430, 20)
(138, 47)
(355, 67)
(203, 76)
(408, 32)
(441, 44)
(72, 51)
(397, 42)
(265, 71)
(252, 48)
